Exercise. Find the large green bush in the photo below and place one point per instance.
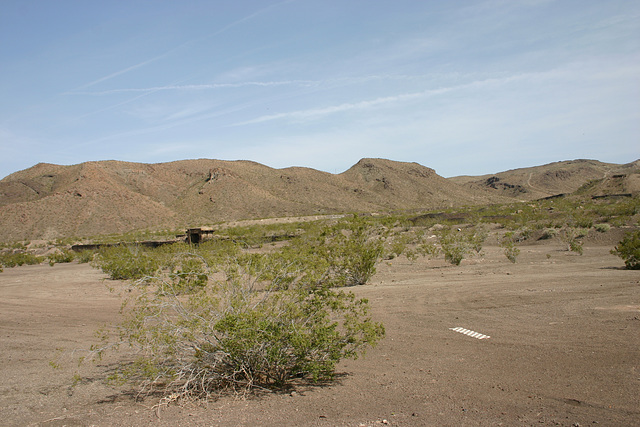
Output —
(629, 250)
(124, 262)
(344, 254)
(237, 331)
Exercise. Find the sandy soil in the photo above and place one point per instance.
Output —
(564, 349)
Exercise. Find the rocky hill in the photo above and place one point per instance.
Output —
(50, 201)
(590, 176)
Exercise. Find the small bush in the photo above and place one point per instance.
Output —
(13, 259)
(522, 234)
(629, 250)
(602, 228)
(477, 239)
(571, 236)
(85, 256)
(60, 256)
(430, 250)
(583, 222)
(457, 245)
(355, 258)
(508, 242)
(549, 233)
(189, 273)
(126, 262)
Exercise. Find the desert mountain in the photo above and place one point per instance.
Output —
(589, 176)
(49, 201)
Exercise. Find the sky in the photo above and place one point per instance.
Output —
(463, 87)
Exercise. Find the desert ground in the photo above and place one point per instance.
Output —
(564, 349)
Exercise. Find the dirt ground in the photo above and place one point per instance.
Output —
(564, 349)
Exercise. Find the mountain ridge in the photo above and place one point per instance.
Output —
(49, 201)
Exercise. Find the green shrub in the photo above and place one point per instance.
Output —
(430, 250)
(629, 250)
(397, 248)
(15, 245)
(126, 262)
(583, 221)
(12, 259)
(457, 245)
(355, 260)
(570, 236)
(454, 248)
(188, 273)
(85, 256)
(477, 238)
(60, 256)
(237, 332)
(344, 254)
(522, 234)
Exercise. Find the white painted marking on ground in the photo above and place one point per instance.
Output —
(472, 334)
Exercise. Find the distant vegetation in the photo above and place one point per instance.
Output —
(568, 219)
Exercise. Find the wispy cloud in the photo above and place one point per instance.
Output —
(123, 71)
(316, 113)
(182, 45)
(275, 83)
(199, 87)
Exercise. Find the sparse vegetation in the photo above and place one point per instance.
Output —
(274, 306)
(224, 315)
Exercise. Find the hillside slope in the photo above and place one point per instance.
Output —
(50, 201)
(557, 178)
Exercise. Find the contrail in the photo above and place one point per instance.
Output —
(148, 61)
(201, 87)
(126, 70)
(319, 112)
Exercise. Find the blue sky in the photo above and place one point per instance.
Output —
(464, 87)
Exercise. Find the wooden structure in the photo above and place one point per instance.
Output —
(197, 235)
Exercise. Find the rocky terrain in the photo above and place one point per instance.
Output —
(588, 176)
